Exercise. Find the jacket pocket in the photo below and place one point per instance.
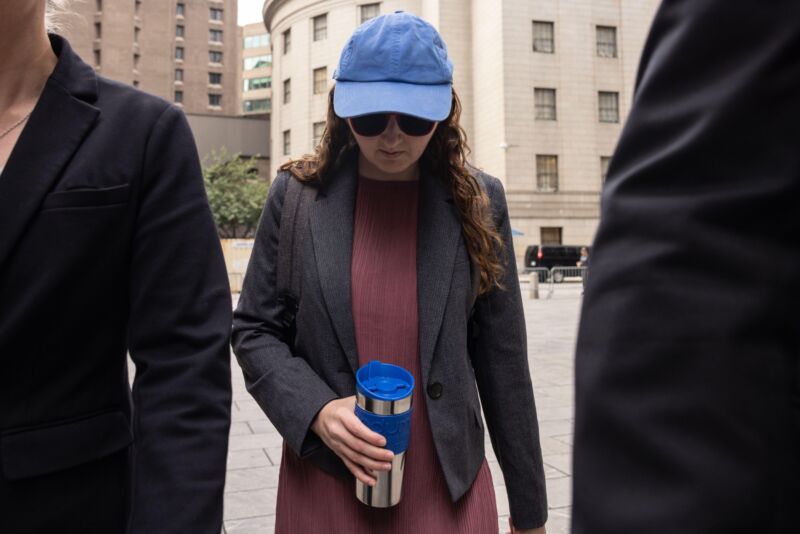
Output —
(37, 451)
(86, 198)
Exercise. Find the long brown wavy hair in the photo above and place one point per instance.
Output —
(446, 157)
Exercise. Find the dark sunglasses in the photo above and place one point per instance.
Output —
(376, 123)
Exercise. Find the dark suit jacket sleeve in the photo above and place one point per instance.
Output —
(500, 359)
(180, 313)
(688, 403)
(288, 390)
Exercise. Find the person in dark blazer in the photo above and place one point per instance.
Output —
(688, 357)
(107, 247)
(386, 255)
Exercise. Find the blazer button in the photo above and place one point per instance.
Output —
(435, 390)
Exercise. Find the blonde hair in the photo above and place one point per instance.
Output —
(53, 15)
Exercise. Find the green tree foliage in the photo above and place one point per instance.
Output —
(235, 192)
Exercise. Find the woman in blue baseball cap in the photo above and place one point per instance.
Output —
(403, 254)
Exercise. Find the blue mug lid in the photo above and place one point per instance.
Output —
(384, 381)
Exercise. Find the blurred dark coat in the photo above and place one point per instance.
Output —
(107, 245)
(688, 382)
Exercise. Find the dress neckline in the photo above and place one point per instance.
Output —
(386, 183)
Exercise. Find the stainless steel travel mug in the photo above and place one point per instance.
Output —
(383, 403)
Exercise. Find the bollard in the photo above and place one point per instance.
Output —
(533, 288)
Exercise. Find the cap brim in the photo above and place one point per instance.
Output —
(432, 102)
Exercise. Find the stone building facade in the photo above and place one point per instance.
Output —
(545, 85)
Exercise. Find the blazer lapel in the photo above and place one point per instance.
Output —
(56, 128)
(438, 233)
(332, 219)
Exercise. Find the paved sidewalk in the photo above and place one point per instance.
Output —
(255, 445)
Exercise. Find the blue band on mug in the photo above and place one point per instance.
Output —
(395, 428)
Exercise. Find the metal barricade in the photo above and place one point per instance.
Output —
(560, 275)
(542, 272)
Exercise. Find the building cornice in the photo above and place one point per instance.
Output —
(270, 8)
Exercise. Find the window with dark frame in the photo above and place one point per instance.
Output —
(136, 61)
(98, 30)
(250, 106)
(215, 56)
(98, 5)
(546, 173)
(179, 52)
(287, 41)
(214, 100)
(180, 9)
(370, 11)
(321, 27)
(320, 80)
(180, 31)
(215, 78)
(215, 13)
(256, 62)
(178, 75)
(544, 104)
(257, 41)
(287, 142)
(551, 235)
(608, 106)
(287, 90)
(253, 84)
(606, 41)
(97, 58)
(318, 129)
(178, 97)
(543, 37)
(215, 36)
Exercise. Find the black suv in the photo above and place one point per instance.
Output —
(549, 256)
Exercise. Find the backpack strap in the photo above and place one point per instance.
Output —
(294, 223)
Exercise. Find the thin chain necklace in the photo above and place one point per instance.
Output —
(15, 125)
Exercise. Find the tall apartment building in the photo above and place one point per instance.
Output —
(255, 69)
(545, 87)
(185, 51)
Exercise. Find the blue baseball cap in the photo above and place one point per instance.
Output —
(394, 63)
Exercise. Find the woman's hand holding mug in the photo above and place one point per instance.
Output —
(360, 448)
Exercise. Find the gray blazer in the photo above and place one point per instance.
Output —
(292, 376)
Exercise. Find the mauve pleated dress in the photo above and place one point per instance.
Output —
(384, 282)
